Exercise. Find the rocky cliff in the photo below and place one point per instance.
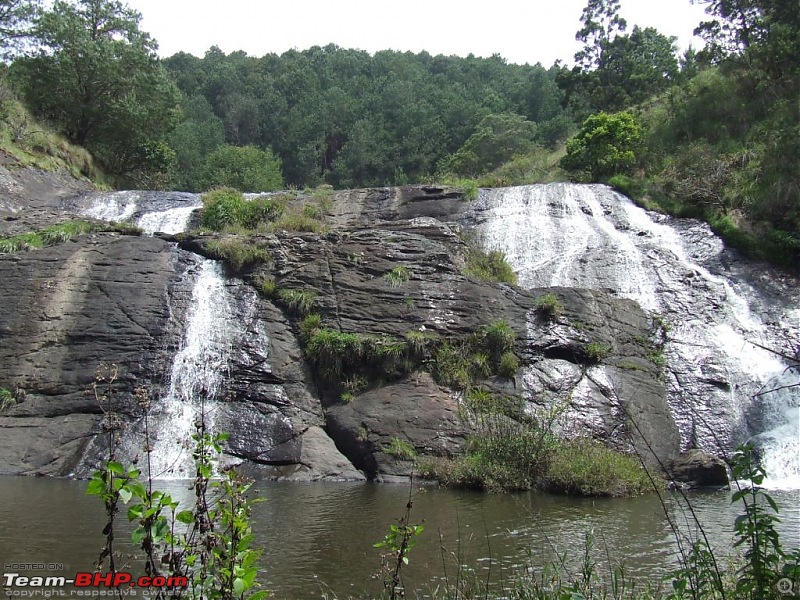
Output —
(124, 299)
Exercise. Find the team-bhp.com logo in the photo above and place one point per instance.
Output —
(85, 579)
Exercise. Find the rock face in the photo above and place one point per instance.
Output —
(127, 300)
(66, 310)
(699, 469)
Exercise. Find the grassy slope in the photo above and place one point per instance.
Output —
(25, 142)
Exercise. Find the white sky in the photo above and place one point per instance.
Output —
(519, 30)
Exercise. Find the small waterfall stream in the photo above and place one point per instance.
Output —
(166, 212)
(198, 371)
(723, 313)
(213, 326)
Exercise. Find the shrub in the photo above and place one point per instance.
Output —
(262, 210)
(222, 207)
(509, 364)
(297, 302)
(247, 168)
(587, 468)
(497, 338)
(549, 306)
(310, 325)
(400, 448)
(397, 276)
(237, 252)
(420, 343)
(625, 185)
(489, 266)
(503, 456)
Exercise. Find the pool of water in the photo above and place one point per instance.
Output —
(317, 538)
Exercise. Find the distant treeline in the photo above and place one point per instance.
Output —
(713, 134)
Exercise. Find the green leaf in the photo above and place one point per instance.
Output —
(185, 516)
(239, 586)
(96, 487)
(126, 495)
(115, 467)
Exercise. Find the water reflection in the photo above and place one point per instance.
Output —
(318, 537)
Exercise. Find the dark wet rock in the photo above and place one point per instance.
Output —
(125, 300)
(698, 469)
(416, 411)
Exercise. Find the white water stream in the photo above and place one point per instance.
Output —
(589, 236)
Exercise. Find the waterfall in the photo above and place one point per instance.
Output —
(198, 370)
(167, 212)
(721, 313)
(116, 206)
(172, 220)
(779, 442)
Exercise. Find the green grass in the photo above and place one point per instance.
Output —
(266, 285)
(238, 252)
(549, 307)
(297, 302)
(587, 468)
(401, 449)
(310, 325)
(34, 144)
(489, 266)
(7, 399)
(397, 276)
(597, 352)
(60, 233)
(299, 223)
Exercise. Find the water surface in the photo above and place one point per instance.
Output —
(318, 537)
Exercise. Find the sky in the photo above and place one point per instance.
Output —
(521, 31)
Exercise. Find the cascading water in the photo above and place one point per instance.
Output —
(198, 370)
(117, 206)
(172, 220)
(166, 212)
(214, 325)
(720, 315)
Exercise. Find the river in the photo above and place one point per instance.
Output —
(318, 538)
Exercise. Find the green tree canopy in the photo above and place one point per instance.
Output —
(497, 139)
(604, 146)
(96, 77)
(248, 169)
(15, 19)
(615, 70)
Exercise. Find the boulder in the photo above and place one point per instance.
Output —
(699, 469)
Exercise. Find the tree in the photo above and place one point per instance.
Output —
(601, 25)
(97, 78)
(247, 169)
(615, 70)
(199, 133)
(497, 139)
(15, 18)
(604, 146)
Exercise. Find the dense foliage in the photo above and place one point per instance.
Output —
(351, 119)
(713, 134)
(95, 75)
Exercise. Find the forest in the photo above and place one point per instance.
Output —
(712, 133)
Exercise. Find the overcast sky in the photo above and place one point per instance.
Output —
(521, 31)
